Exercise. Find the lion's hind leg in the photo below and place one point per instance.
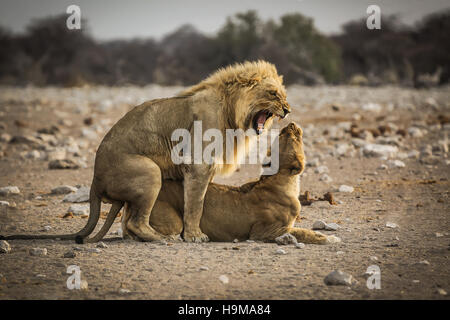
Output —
(166, 220)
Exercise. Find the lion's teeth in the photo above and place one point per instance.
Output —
(260, 127)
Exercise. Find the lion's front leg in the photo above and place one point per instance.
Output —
(196, 181)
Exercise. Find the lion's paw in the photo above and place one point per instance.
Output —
(196, 237)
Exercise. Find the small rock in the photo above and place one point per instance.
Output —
(38, 251)
(442, 292)
(224, 279)
(439, 235)
(204, 268)
(4, 204)
(4, 247)
(338, 278)
(124, 291)
(344, 188)
(396, 164)
(391, 225)
(285, 239)
(319, 225)
(84, 285)
(379, 150)
(56, 154)
(47, 228)
(81, 195)
(63, 164)
(280, 251)
(70, 254)
(300, 245)
(424, 262)
(321, 169)
(6, 191)
(102, 245)
(93, 250)
(326, 178)
(64, 189)
(79, 209)
(415, 132)
(373, 107)
(374, 258)
(333, 239)
(332, 226)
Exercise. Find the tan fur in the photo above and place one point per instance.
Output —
(134, 157)
(261, 210)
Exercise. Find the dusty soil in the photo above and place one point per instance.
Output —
(415, 197)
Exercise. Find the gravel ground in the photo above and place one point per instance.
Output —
(388, 145)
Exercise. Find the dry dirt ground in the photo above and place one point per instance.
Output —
(413, 257)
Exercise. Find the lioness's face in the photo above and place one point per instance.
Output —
(292, 156)
(267, 100)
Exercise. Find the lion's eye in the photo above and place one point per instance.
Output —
(273, 93)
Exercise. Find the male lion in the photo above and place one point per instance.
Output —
(261, 210)
(135, 155)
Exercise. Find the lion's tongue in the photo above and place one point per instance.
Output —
(260, 122)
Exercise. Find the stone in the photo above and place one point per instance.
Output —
(442, 292)
(285, 239)
(79, 209)
(321, 169)
(326, 178)
(280, 251)
(38, 252)
(204, 268)
(56, 154)
(102, 245)
(65, 189)
(4, 247)
(379, 150)
(83, 285)
(124, 291)
(47, 228)
(4, 204)
(70, 254)
(9, 190)
(373, 107)
(345, 188)
(89, 133)
(391, 225)
(415, 132)
(300, 245)
(63, 164)
(81, 195)
(319, 225)
(333, 239)
(332, 226)
(338, 278)
(224, 279)
(396, 164)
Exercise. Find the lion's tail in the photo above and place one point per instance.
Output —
(115, 209)
(95, 203)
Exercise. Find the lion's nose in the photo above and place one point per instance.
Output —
(286, 112)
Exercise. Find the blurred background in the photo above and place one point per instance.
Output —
(181, 42)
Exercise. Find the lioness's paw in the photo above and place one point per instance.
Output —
(195, 237)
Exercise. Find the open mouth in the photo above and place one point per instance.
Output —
(260, 119)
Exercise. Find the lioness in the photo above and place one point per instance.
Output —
(134, 157)
(261, 210)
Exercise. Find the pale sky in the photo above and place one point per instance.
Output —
(119, 19)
